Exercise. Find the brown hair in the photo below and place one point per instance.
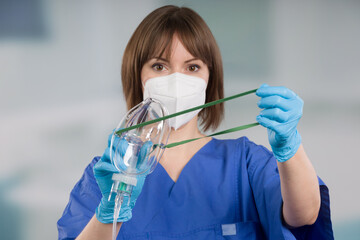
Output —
(153, 37)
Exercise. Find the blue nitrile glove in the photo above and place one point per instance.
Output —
(282, 112)
(103, 171)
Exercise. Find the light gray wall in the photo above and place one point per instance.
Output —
(60, 93)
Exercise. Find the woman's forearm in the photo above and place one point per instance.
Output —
(97, 230)
(299, 189)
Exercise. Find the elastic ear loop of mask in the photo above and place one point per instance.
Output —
(235, 129)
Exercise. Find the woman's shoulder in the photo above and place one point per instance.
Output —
(91, 165)
(89, 168)
(243, 144)
(83, 200)
(88, 180)
(245, 151)
(231, 142)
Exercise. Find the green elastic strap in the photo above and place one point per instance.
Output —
(194, 109)
(211, 135)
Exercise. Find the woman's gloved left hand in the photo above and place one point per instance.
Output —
(282, 110)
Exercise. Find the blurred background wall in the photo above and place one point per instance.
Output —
(60, 92)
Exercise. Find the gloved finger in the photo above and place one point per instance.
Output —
(110, 136)
(275, 114)
(139, 185)
(113, 134)
(120, 146)
(299, 102)
(114, 139)
(117, 154)
(106, 156)
(102, 168)
(265, 91)
(144, 151)
(141, 179)
(268, 123)
(274, 101)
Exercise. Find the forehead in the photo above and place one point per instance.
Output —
(175, 50)
(175, 45)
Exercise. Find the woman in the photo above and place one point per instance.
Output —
(210, 188)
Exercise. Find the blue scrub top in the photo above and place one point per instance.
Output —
(230, 189)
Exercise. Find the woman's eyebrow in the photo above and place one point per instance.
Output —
(160, 58)
(165, 60)
(192, 59)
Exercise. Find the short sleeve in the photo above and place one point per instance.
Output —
(84, 198)
(265, 183)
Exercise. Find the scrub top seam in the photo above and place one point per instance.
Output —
(216, 227)
(237, 160)
(92, 187)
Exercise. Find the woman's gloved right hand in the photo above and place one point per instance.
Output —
(103, 171)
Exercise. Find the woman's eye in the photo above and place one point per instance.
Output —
(158, 67)
(193, 68)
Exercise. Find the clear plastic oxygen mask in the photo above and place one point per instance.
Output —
(136, 151)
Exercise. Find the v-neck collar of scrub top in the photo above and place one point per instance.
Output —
(187, 165)
(159, 189)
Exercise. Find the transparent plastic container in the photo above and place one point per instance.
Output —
(153, 136)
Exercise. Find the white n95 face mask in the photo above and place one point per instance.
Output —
(177, 92)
